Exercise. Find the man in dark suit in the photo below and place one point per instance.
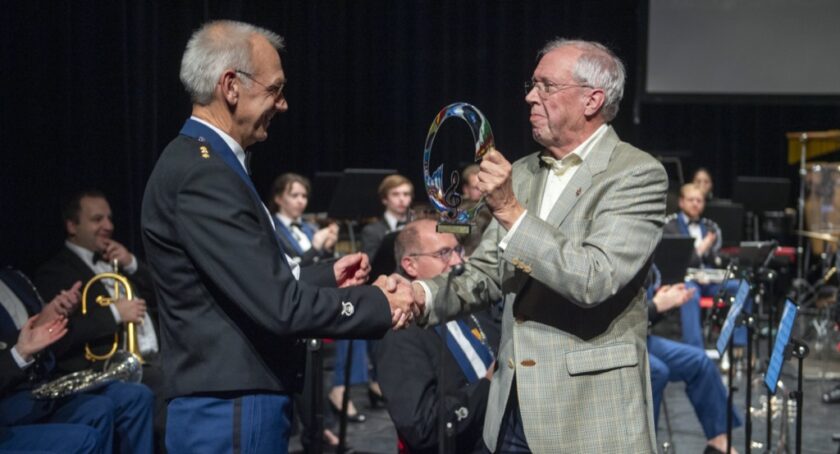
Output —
(124, 407)
(232, 305)
(408, 360)
(89, 250)
(395, 192)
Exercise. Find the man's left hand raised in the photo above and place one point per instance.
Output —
(352, 270)
(495, 182)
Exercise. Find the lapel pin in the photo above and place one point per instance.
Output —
(205, 153)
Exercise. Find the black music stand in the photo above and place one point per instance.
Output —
(760, 194)
(324, 185)
(672, 256)
(729, 217)
(355, 197)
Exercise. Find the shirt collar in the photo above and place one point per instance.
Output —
(237, 149)
(287, 221)
(83, 253)
(391, 220)
(586, 147)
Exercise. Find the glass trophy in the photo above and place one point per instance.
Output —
(453, 218)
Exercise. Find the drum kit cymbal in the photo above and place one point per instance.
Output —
(831, 237)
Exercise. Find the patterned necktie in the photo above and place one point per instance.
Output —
(560, 166)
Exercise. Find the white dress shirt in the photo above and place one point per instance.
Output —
(239, 152)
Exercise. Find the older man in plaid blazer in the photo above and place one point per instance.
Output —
(574, 227)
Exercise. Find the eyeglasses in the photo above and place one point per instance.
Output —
(546, 89)
(275, 91)
(444, 254)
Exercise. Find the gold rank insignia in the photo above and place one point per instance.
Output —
(205, 153)
(476, 333)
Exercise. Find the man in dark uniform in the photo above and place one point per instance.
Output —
(408, 360)
(233, 306)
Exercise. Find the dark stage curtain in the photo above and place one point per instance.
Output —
(91, 96)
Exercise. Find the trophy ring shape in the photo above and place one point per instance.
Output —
(447, 202)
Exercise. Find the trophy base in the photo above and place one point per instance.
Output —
(455, 229)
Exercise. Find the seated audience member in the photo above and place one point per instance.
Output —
(72, 422)
(674, 361)
(407, 361)
(395, 192)
(302, 241)
(703, 180)
(707, 242)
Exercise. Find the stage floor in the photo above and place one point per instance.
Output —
(377, 434)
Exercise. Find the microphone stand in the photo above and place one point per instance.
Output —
(445, 429)
(799, 350)
(348, 366)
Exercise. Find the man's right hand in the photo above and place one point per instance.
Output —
(61, 306)
(131, 310)
(400, 299)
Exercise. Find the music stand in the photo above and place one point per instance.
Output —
(730, 218)
(356, 195)
(384, 262)
(760, 194)
(672, 256)
(755, 253)
(324, 185)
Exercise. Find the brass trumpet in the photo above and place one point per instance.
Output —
(121, 288)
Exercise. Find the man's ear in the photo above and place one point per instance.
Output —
(277, 199)
(71, 228)
(594, 102)
(408, 267)
(230, 84)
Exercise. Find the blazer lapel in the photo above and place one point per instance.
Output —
(595, 163)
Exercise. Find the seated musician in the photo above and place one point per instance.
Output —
(302, 241)
(407, 360)
(688, 221)
(703, 179)
(675, 361)
(114, 415)
(90, 249)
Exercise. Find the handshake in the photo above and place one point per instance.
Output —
(407, 300)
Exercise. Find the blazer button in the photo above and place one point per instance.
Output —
(528, 362)
(510, 363)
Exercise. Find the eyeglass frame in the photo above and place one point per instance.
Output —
(270, 89)
(444, 254)
(544, 92)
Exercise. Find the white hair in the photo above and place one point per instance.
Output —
(216, 47)
(597, 67)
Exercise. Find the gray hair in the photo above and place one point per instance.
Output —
(598, 67)
(216, 47)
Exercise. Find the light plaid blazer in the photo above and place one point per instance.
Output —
(575, 320)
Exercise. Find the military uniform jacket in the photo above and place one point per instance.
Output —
(575, 321)
(231, 311)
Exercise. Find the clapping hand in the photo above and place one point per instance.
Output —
(61, 306)
(32, 339)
